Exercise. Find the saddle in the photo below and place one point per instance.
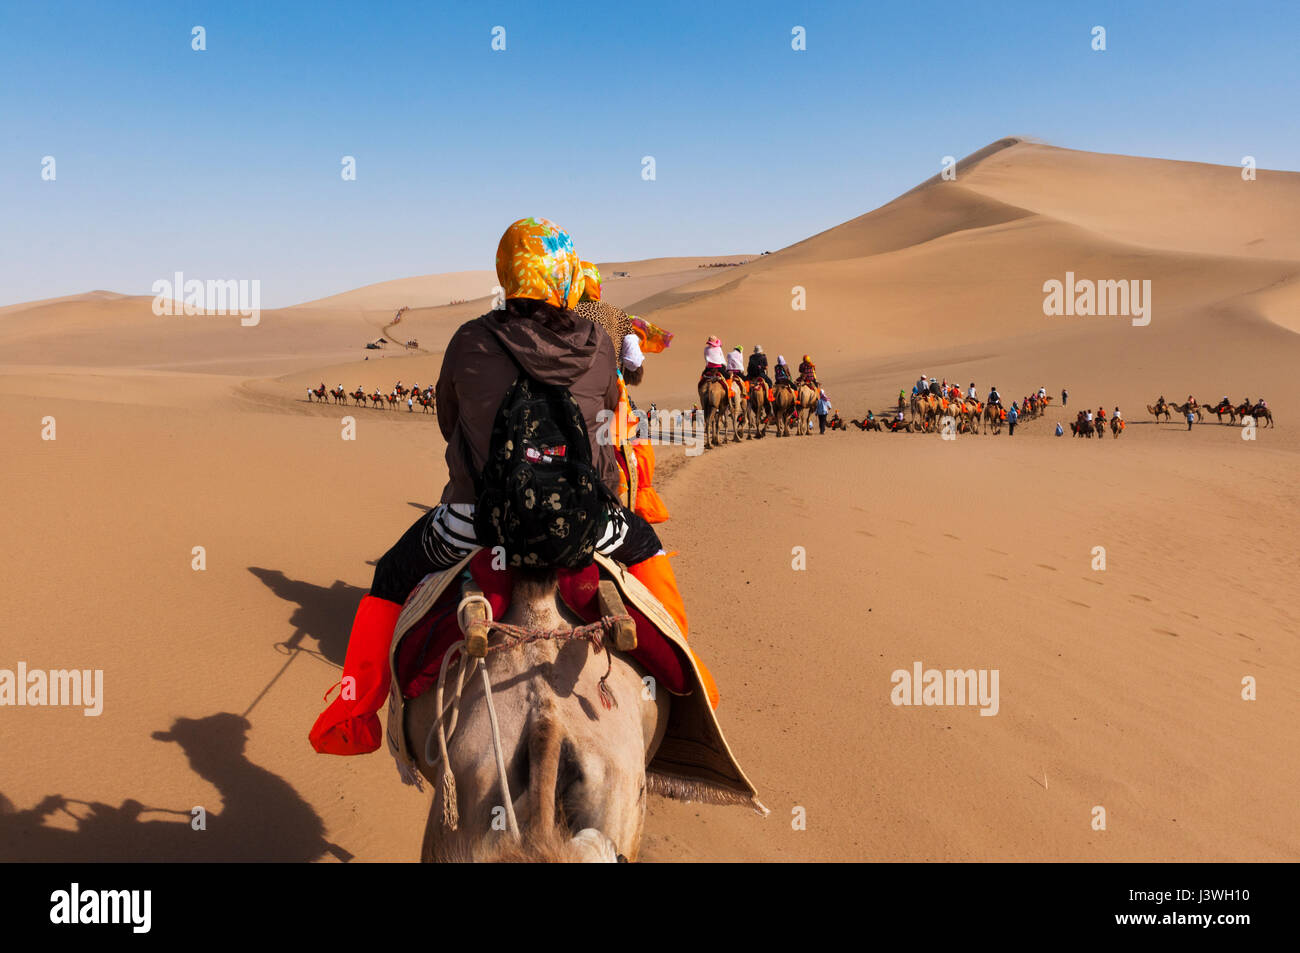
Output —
(693, 756)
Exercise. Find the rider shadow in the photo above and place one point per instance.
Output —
(261, 816)
(323, 613)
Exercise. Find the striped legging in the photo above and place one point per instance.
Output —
(445, 535)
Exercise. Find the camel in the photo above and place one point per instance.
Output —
(807, 402)
(783, 396)
(401, 391)
(714, 401)
(1258, 411)
(359, 397)
(319, 393)
(1198, 410)
(1156, 412)
(735, 411)
(1225, 407)
(992, 418)
(1115, 427)
(867, 423)
(377, 399)
(756, 409)
(576, 770)
(392, 401)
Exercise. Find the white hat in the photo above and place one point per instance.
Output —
(632, 356)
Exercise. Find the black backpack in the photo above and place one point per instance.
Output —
(539, 497)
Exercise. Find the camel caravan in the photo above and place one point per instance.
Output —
(1255, 410)
(740, 399)
(744, 402)
(413, 396)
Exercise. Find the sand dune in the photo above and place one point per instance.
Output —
(1119, 688)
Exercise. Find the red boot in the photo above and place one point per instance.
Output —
(350, 725)
(656, 574)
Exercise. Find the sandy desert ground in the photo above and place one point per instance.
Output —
(1119, 688)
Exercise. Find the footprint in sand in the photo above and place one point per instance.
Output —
(950, 536)
(1074, 602)
(1134, 595)
(1045, 566)
(998, 551)
(996, 576)
(1245, 636)
(1167, 632)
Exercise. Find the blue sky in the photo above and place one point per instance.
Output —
(225, 163)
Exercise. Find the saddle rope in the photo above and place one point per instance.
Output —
(443, 726)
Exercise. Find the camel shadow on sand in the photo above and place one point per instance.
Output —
(260, 816)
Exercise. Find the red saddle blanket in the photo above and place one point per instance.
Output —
(419, 657)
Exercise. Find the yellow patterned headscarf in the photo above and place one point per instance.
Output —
(535, 259)
(590, 281)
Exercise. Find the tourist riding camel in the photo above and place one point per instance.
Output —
(536, 337)
(994, 397)
(758, 366)
(715, 362)
(782, 372)
(736, 362)
(808, 372)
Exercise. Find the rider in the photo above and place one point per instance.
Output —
(758, 366)
(715, 362)
(808, 372)
(782, 371)
(736, 362)
(536, 330)
(994, 397)
(1191, 401)
(972, 393)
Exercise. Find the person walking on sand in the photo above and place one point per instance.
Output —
(1012, 417)
(1065, 396)
(1191, 418)
(823, 408)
